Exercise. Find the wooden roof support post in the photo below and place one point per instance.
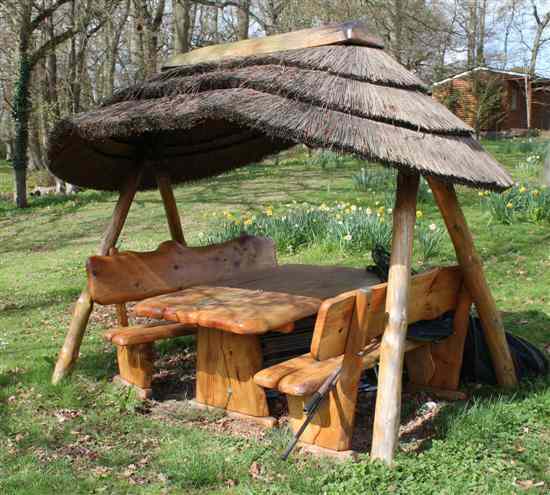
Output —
(84, 305)
(388, 398)
(475, 281)
(172, 215)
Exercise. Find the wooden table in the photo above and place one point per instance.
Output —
(232, 314)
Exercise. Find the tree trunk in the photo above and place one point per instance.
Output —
(182, 25)
(472, 33)
(397, 15)
(21, 113)
(480, 49)
(243, 19)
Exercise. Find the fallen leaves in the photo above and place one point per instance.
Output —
(528, 484)
(63, 415)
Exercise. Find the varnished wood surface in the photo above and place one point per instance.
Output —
(259, 300)
(241, 311)
(332, 326)
(135, 364)
(143, 334)
(132, 276)
(226, 365)
(322, 282)
(448, 355)
(349, 32)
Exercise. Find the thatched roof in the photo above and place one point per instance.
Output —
(209, 114)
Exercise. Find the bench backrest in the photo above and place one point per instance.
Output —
(432, 294)
(132, 276)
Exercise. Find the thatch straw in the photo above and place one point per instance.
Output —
(207, 118)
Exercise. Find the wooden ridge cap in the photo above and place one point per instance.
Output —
(349, 33)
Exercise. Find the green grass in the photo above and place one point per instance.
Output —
(85, 436)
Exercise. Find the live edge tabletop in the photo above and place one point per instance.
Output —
(257, 301)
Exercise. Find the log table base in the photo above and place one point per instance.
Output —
(226, 365)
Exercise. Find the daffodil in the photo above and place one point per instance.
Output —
(510, 205)
(536, 192)
(419, 214)
(433, 227)
(248, 221)
(522, 189)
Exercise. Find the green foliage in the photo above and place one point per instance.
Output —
(342, 227)
(518, 204)
(328, 159)
(374, 177)
(429, 239)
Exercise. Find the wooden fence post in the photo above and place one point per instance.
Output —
(475, 280)
(387, 415)
(71, 347)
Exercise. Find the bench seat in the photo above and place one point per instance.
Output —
(304, 375)
(146, 334)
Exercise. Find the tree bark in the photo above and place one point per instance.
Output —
(182, 25)
(387, 415)
(243, 19)
(21, 113)
(474, 278)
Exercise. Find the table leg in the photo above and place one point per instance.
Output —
(226, 365)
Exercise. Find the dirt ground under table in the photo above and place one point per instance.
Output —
(174, 385)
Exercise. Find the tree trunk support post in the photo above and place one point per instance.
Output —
(71, 347)
(388, 399)
(474, 278)
(172, 215)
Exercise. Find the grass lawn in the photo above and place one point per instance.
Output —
(87, 436)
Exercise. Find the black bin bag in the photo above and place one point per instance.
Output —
(477, 366)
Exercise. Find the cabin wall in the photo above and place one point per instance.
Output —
(541, 107)
(458, 95)
(515, 104)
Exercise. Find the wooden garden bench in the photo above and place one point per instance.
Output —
(347, 333)
(131, 276)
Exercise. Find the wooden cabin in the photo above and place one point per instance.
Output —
(521, 99)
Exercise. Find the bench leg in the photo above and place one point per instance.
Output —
(135, 365)
(328, 429)
(226, 365)
(438, 366)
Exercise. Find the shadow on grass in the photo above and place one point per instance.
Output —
(40, 301)
(69, 202)
(532, 325)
